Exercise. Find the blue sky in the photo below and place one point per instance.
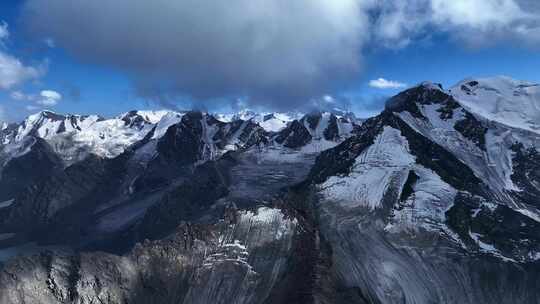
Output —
(96, 84)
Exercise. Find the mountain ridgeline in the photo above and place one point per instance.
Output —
(434, 200)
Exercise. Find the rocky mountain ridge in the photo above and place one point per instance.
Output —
(429, 202)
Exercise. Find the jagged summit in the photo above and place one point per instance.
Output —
(422, 94)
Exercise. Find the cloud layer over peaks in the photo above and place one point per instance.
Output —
(268, 50)
(278, 53)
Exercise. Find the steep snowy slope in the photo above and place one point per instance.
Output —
(502, 99)
(424, 191)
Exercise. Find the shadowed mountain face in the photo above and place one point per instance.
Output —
(428, 202)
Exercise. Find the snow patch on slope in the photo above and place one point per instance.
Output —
(167, 120)
(427, 205)
(154, 117)
(494, 165)
(272, 220)
(384, 163)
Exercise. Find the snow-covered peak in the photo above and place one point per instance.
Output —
(152, 117)
(74, 136)
(47, 124)
(512, 102)
(245, 114)
(326, 125)
(269, 121)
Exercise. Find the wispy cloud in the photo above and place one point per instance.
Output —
(382, 83)
(4, 33)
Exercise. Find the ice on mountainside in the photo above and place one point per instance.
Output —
(373, 172)
(512, 102)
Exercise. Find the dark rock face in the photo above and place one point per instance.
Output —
(473, 130)
(33, 166)
(508, 231)
(247, 133)
(526, 174)
(435, 157)
(331, 132)
(188, 202)
(182, 143)
(294, 136)
(447, 111)
(315, 127)
(408, 188)
(313, 119)
(8, 133)
(133, 119)
(339, 160)
(409, 100)
(58, 207)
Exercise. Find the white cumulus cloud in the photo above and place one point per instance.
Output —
(382, 83)
(12, 71)
(49, 98)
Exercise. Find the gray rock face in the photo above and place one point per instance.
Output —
(526, 174)
(237, 260)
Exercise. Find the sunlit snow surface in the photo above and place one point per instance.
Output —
(511, 102)
(271, 122)
(74, 136)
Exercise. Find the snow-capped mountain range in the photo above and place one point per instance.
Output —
(110, 137)
(435, 200)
